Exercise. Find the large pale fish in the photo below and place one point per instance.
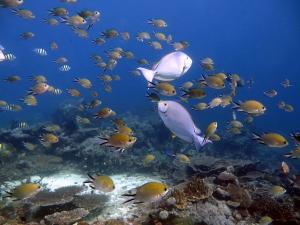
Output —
(180, 122)
(169, 67)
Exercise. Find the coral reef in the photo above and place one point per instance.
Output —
(239, 195)
(164, 214)
(67, 217)
(90, 201)
(59, 196)
(279, 212)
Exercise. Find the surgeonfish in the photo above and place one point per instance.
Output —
(271, 139)
(180, 122)
(169, 67)
(266, 220)
(24, 191)
(149, 192)
(101, 183)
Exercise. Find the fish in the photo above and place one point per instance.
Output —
(12, 107)
(148, 159)
(249, 107)
(118, 140)
(10, 57)
(58, 11)
(251, 81)
(169, 39)
(286, 83)
(266, 220)
(11, 3)
(206, 60)
(53, 45)
(177, 46)
(127, 54)
(179, 99)
(281, 104)
(40, 51)
(94, 93)
(199, 106)
(80, 31)
(208, 67)
(51, 138)
(234, 130)
(125, 35)
(285, 167)
(212, 81)
(295, 181)
(214, 103)
(159, 36)
(73, 92)
(157, 23)
(155, 44)
(179, 121)
(186, 85)
(111, 33)
(149, 192)
(196, 93)
(24, 191)
(115, 77)
(82, 120)
(181, 157)
(56, 91)
(107, 87)
(118, 122)
(84, 82)
(60, 60)
(85, 14)
(110, 65)
(38, 79)
(64, 68)
(22, 125)
(96, 57)
(51, 21)
(3, 146)
(143, 35)
(75, 20)
(93, 103)
(153, 97)
(27, 35)
(288, 108)
(28, 146)
(295, 137)
(103, 113)
(211, 129)
(101, 182)
(142, 62)
(169, 67)
(271, 139)
(135, 72)
(124, 130)
(221, 75)
(270, 93)
(294, 154)
(12, 78)
(249, 119)
(24, 13)
(98, 41)
(214, 137)
(163, 88)
(38, 88)
(113, 54)
(93, 19)
(52, 128)
(185, 43)
(276, 191)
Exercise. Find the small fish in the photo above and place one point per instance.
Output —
(38, 78)
(155, 44)
(51, 138)
(64, 68)
(286, 83)
(127, 54)
(81, 32)
(56, 91)
(3, 146)
(295, 181)
(115, 77)
(270, 93)
(80, 107)
(40, 51)
(142, 62)
(169, 39)
(110, 65)
(185, 43)
(199, 106)
(82, 120)
(250, 107)
(153, 97)
(124, 130)
(135, 72)
(214, 137)
(10, 57)
(177, 46)
(148, 159)
(276, 191)
(234, 130)
(118, 122)
(12, 107)
(212, 81)
(103, 113)
(149, 192)
(113, 54)
(285, 167)
(281, 104)
(22, 125)
(98, 41)
(143, 35)
(53, 45)
(12, 79)
(11, 3)
(84, 82)
(210, 130)
(288, 108)
(94, 93)
(101, 182)
(214, 103)
(28, 146)
(186, 85)
(206, 60)
(24, 191)
(163, 88)
(119, 141)
(93, 104)
(196, 93)
(249, 119)
(266, 220)
(73, 92)
(111, 33)
(159, 36)
(96, 57)
(125, 35)
(60, 60)
(157, 23)
(51, 21)
(75, 20)
(295, 137)
(180, 99)
(27, 35)
(85, 14)
(52, 128)
(250, 82)
(38, 88)
(58, 11)
(294, 154)
(24, 13)
(93, 19)
(271, 139)
(107, 87)
(208, 67)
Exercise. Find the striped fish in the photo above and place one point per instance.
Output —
(65, 68)
(56, 91)
(40, 51)
(22, 125)
(10, 57)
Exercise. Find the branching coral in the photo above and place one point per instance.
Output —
(239, 195)
(89, 201)
(59, 196)
(66, 217)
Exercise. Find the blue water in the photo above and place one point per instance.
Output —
(258, 39)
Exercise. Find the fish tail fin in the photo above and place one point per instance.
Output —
(235, 105)
(287, 155)
(128, 198)
(233, 91)
(148, 74)
(200, 142)
(255, 136)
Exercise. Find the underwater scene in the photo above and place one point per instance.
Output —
(149, 112)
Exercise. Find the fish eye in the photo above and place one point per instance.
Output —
(173, 91)
(129, 140)
(83, 21)
(165, 189)
(263, 107)
(284, 142)
(223, 85)
(114, 187)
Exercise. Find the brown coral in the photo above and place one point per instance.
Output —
(59, 196)
(66, 217)
(89, 201)
(239, 195)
